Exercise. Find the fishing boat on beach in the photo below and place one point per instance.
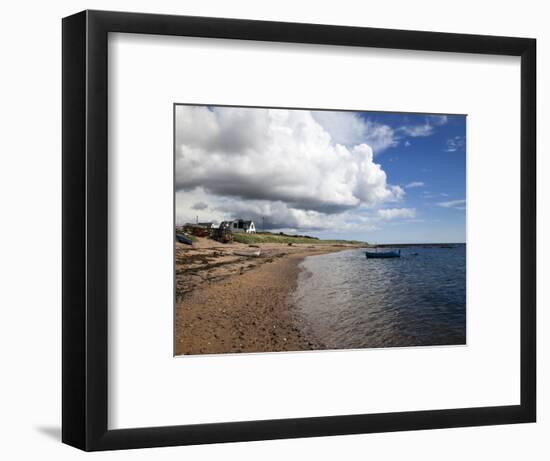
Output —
(184, 239)
(383, 254)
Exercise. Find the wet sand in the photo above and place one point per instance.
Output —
(226, 303)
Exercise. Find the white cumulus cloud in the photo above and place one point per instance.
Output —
(349, 129)
(279, 164)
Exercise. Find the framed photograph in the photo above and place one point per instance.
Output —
(272, 207)
(278, 230)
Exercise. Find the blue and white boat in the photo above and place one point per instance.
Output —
(383, 254)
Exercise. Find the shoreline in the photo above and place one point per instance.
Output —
(227, 303)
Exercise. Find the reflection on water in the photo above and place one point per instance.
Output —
(349, 301)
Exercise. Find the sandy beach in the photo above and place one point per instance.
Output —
(230, 303)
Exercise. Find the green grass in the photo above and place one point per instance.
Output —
(267, 237)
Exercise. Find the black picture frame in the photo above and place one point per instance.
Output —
(85, 218)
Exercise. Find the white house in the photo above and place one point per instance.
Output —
(239, 225)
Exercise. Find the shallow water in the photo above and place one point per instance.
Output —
(349, 301)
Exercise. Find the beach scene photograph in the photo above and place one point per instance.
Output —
(309, 230)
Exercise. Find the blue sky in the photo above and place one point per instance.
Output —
(373, 176)
(431, 167)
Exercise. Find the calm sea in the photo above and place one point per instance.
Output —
(349, 301)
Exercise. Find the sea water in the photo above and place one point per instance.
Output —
(348, 301)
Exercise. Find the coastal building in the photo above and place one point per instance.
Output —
(239, 225)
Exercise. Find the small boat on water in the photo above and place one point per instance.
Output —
(383, 254)
(184, 239)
